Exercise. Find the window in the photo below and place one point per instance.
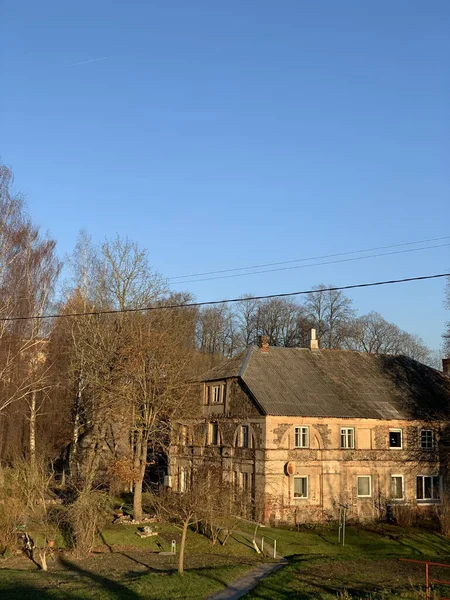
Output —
(397, 487)
(216, 394)
(244, 482)
(244, 436)
(347, 437)
(395, 438)
(301, 437)
(364, 486)
(427, 439)
(214, 434)
(300, 487)
(429, 487)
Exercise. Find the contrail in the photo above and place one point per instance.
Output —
(85, 62)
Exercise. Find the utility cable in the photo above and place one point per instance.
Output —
(228, 301)
(329, 262)
(287, 262)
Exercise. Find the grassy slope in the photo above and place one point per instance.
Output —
(126, 567)
(368, 566)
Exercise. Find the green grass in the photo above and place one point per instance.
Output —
(124, 566)
(367, 567)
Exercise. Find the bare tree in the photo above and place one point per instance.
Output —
(331, 313)
(216, 331)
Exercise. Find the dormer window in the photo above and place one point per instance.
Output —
(215, 393)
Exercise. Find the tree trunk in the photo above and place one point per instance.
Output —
(141, 463)
(75, 433)
(182, 546)
(32, 440)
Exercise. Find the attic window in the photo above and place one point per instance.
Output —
(395, 438)
(215, 393)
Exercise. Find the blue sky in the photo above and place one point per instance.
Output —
(227, 134)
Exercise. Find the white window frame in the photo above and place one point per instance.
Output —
(422, 431)
(216, 393)
(369, 477)
(301, 432)
(431, 500)
(344, 431)
(397, 475)
(396, 430)
(306, 478)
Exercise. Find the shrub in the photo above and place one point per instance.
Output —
(403, 515)
(84, 518)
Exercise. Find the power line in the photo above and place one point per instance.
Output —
(329, 262)
(228, 301)
(287, 262)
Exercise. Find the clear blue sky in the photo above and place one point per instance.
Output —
(231, 133)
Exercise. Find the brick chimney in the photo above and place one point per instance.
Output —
(264, 343)
(313, 342)
(446, 366)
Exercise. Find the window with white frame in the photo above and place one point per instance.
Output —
(397, 487)
(427, 439)
(301, 437)
(428, 488)
(347, 437)
(395, 438)
(364, 486)
(216, 394)
(300, 487)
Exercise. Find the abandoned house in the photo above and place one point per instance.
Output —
(302, 431)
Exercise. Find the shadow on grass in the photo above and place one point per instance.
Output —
(114, 588)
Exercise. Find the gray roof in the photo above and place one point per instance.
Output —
(338, 383)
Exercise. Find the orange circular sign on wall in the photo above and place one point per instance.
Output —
(289, 468)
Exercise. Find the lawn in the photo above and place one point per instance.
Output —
(367, 567)
(124, 566)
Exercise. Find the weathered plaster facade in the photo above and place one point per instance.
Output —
(300, 468)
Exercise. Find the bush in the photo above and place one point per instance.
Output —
(402, 515)
(443, 515)
(87, 515)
